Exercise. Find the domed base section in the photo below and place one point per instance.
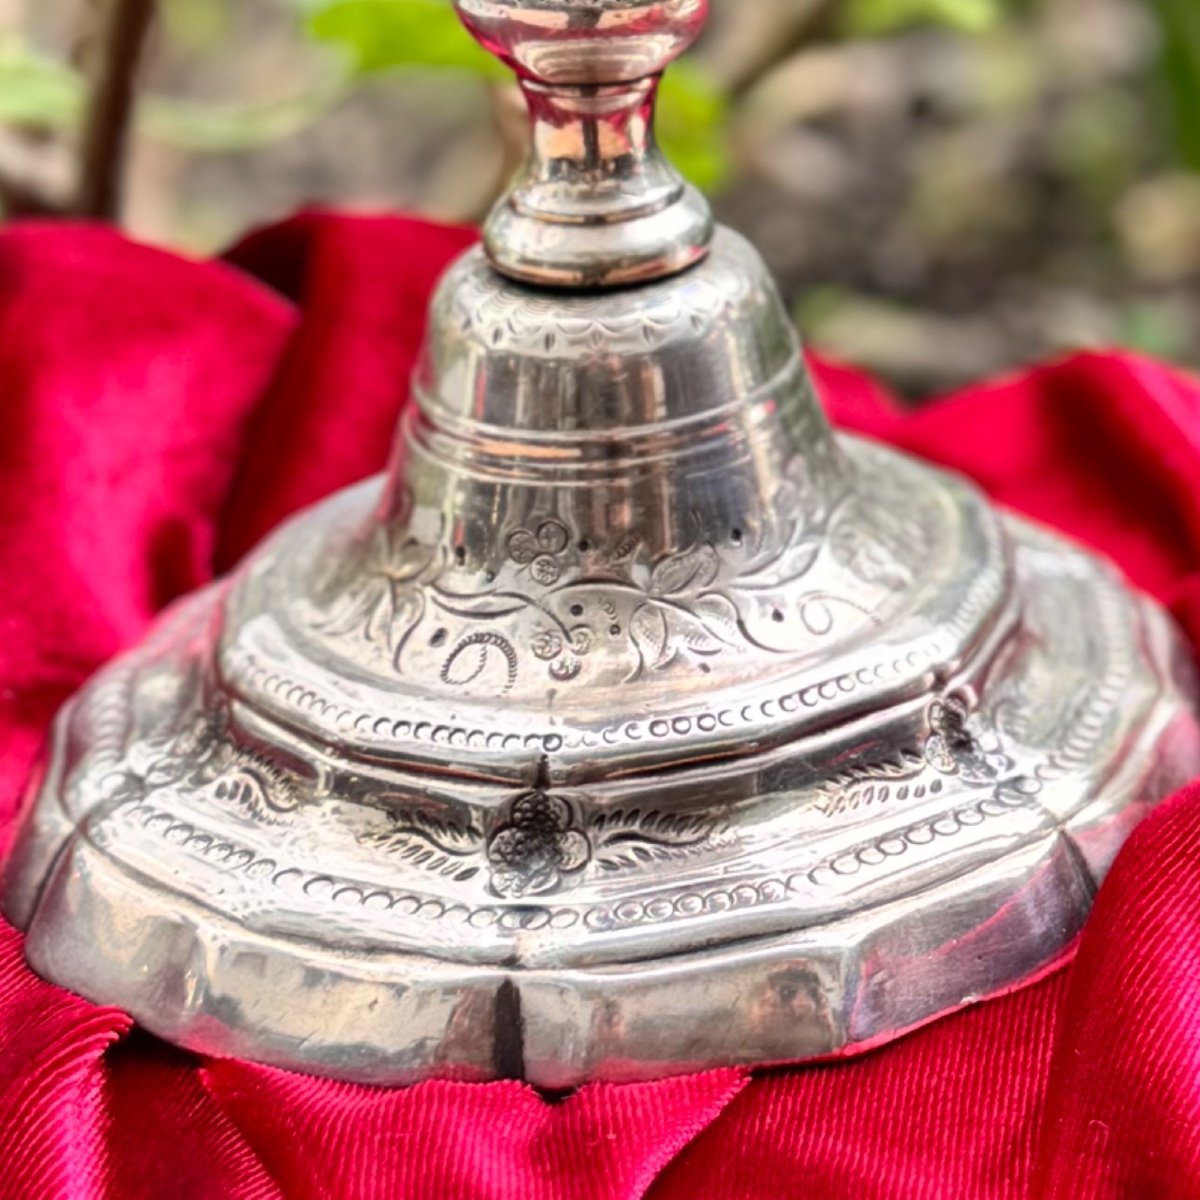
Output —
(244, 892)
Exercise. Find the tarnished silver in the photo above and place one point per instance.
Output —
(635, 723)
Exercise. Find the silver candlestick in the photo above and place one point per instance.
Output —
(635, 723)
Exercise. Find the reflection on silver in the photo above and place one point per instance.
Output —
(635, 723)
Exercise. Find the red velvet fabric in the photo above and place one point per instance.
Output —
(159, 415)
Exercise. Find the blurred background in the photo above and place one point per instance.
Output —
(945, 188)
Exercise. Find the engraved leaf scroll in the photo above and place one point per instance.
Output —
(558, 596)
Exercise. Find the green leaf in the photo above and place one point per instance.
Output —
(1158, 328)
(693, 125)
(382, 35)
(36, 89)
(1180, 64)
(199, 26)
(874, 18)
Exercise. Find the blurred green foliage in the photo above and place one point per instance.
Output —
(1180, 24)
(34, 89)
(875, 18)
(380, 36)
(43, 93)
(383, 35)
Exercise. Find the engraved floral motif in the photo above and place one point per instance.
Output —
(555, 596)
(959, 746)
(542, 552)
(538, 844)
(392, 600)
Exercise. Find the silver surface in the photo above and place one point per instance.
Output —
(597, 204)
(634, 723)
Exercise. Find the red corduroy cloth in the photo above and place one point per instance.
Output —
(159, 416)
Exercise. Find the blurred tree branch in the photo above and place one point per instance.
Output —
(121, 27)
(747, 40)
(36, 178)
